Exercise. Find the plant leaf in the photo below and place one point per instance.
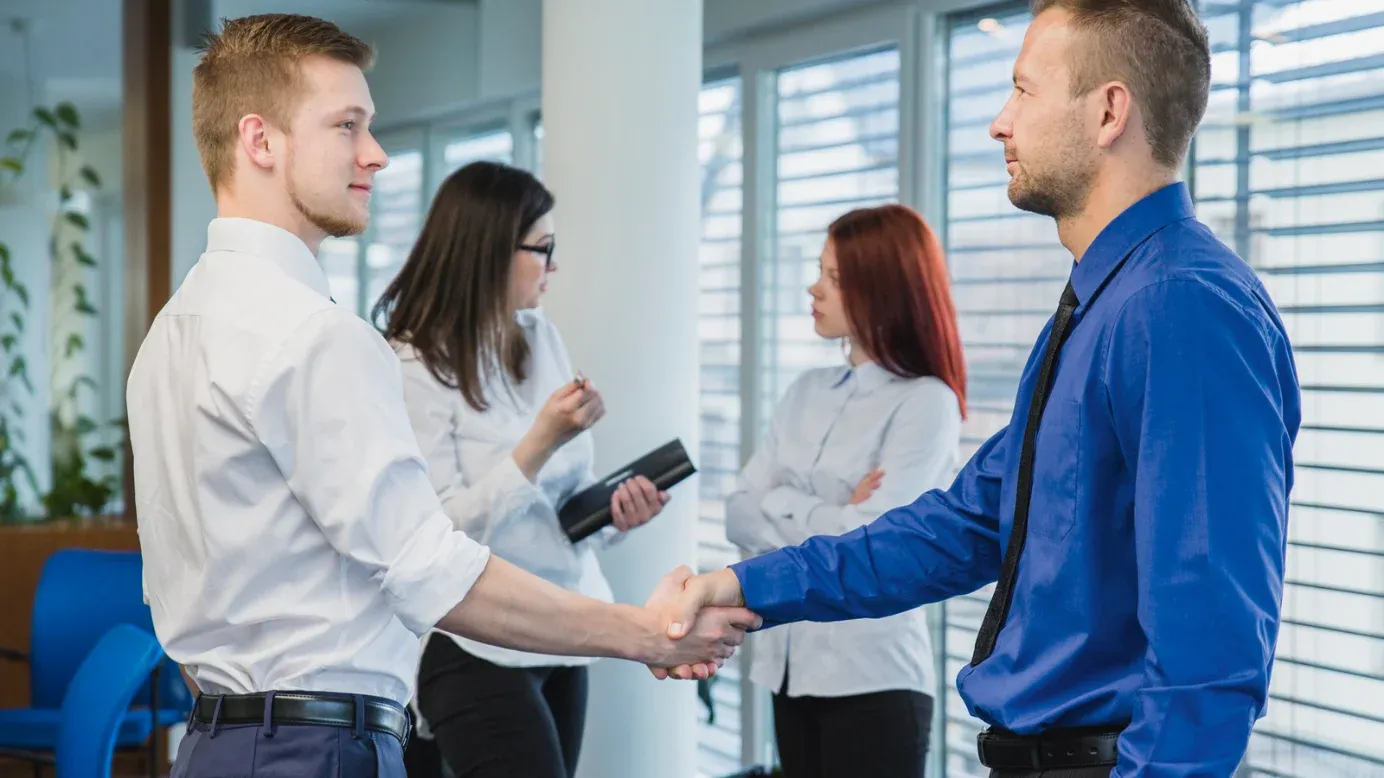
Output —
(85, 425)
(103, 453)
(65, 193)
(82, 257)
(7, 275)
(16, 136)
(81, 381)
(46, 116)
(10, 163)
(4, 253)
(22, 372)
(18, 322)
(67, 112)
(74, 344)
(8, 341)
(17, 409)
(76, 218)
(91, 176)
(68, 139)
(83, 307)
(22, 292)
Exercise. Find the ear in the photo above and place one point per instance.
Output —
(253, 138)
(1116, 107)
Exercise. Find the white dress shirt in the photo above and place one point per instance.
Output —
(471, 465)
(833, 427)
(291, 538)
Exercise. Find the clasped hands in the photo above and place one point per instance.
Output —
(705, 620)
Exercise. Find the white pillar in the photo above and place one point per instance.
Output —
(620, 86)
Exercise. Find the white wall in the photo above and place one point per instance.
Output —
(426, 63)
(511, 45)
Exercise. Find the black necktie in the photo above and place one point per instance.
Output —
(998, 611)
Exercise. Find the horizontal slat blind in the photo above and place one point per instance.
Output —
(718, 327)
(838, 149)
(1008, 270)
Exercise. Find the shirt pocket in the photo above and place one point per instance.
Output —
(1057, 471)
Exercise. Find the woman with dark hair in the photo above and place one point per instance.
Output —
(502, 421)
(846, 444)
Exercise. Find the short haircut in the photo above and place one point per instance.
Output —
(1159, 49)
(253, 66)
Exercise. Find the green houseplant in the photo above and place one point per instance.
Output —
(74, 491)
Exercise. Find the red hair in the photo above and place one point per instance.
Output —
(896, 290)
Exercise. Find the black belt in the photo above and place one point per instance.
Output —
(329, 710)
(1056, 749)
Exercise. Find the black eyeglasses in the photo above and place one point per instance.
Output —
(546, 251)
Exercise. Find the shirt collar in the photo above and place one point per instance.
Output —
(267, 241)
(1121, 236)
(868, 376)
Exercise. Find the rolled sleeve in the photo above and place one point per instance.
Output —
(433, 572)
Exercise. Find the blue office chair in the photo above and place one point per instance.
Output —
(98, 700)
(82, 594)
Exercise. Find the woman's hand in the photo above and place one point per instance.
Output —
(634, 502)
(867, 487)
(569, 411)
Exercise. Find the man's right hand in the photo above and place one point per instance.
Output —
(691, 605)
(700, 639)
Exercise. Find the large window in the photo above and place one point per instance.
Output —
(837, 149)
(1288, 169)
(1007, 269)
(718, 306)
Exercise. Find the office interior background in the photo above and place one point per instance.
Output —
(806, 108)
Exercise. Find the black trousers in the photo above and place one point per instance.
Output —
(490, 721)
(879, 735)
(1070, 773)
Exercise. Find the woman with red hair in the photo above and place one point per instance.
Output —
(846, 444)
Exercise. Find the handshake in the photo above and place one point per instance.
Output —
(705, 620)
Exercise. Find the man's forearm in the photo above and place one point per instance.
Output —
(510, 608)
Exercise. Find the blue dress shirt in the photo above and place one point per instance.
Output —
(1150, 587)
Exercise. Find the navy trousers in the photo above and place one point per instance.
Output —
(287, 751)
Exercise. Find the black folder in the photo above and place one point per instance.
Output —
(589, 510)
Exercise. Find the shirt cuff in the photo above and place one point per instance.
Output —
(785, 502)
(757, 588)
(432, 575)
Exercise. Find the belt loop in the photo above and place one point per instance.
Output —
(359, 730)
(192, 714)
(268, 728)
(216, 716)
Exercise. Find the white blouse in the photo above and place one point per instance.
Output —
(483, 492)
(832, 427)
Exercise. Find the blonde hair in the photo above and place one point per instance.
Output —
(253, 67)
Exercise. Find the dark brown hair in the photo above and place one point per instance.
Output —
(1159, 49)
(451, 299)
(252, 67)
(897, 294)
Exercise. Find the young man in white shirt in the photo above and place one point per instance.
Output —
(294, 549)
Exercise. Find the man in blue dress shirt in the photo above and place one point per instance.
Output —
(1134, 511)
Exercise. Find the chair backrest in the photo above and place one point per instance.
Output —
(98, 696)
(82, 593)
